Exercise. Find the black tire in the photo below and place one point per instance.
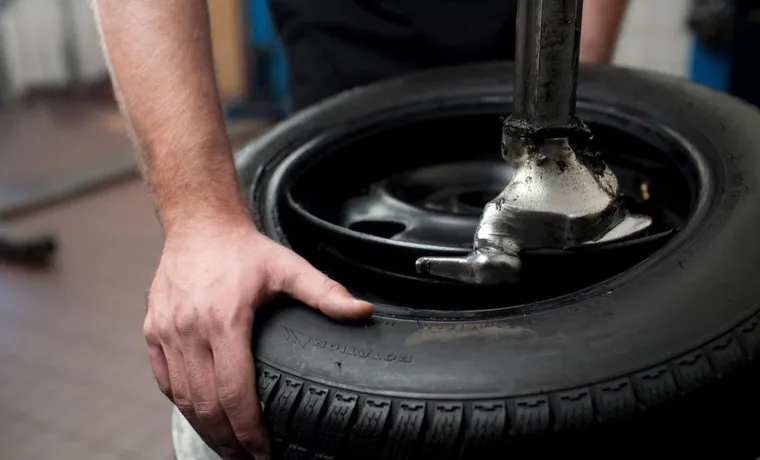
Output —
(662, 355)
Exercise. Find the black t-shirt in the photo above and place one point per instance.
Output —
(333, 45)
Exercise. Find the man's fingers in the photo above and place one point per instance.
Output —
(301, 280)
(159, 368)
(168, 367)
(180, 390)
(236, 386)
(208, 410)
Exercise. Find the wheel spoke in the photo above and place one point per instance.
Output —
(440, 205)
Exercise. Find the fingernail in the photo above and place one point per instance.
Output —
(340, 297)
(355, 299)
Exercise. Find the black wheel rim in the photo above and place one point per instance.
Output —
(313, 201)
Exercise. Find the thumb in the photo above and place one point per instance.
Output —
(302, 281)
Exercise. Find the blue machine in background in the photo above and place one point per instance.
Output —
(727, 37)
(711, 68)
(270, 65)
(268, 95)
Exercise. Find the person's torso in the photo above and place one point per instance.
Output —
(461, 29)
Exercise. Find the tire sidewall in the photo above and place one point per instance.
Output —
(686, 314)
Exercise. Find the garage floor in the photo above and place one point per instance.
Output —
(74, 379)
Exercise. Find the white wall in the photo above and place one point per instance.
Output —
(32, 32)
(655, 36)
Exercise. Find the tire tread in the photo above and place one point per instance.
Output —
(390, 428)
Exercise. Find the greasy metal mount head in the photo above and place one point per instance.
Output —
(557, 198)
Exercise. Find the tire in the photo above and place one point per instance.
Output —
(664, 354)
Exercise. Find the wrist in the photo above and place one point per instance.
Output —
(207, 221)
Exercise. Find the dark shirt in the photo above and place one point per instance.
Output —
(334, 45)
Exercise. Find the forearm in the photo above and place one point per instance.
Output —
(159, 55)
(601, 26)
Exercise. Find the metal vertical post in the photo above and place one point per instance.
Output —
(546, 61)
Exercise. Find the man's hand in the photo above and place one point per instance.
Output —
(208, 287)
(216, 269)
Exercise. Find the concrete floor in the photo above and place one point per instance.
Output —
(75, 382)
